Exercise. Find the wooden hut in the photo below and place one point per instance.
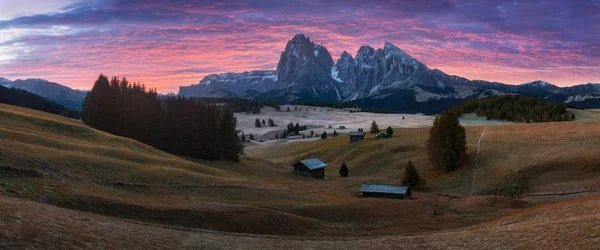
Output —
(385, 191)
(356, 136)
(311, 167)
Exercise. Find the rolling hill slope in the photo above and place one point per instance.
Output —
(51, 159)
(515, 159)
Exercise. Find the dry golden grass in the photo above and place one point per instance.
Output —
(158, 200)
(565, 225)
(514, 158)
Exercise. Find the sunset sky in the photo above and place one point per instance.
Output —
(167, 44)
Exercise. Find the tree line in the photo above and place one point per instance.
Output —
(22, 98)
(516, 108)
(174, 124)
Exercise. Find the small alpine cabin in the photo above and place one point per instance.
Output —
(356, 136)
(311, 167)
(385, 191)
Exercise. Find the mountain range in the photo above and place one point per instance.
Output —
(70, 98)
(386, 78)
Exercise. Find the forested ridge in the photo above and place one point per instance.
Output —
(516, 108)
(177, 125)
(22, 98)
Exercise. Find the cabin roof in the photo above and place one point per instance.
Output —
(384, 188)
(357, 133)
(313, 163)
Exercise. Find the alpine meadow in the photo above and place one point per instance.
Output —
(299, 124)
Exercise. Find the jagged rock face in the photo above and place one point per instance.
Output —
(344, 67)
(232, 84)
(306, 67)
(378, 71)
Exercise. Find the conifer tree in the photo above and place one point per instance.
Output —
(374, 128)
(230, 144)
(344, 170)
(411, 176)
(251, 137)
(447, 142)
(257, 123)
(243, 137)
(324, 135)
(389, 131)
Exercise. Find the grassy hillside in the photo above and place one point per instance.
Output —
(140, 197)
(24, 224)
(515, 159)
(51, 159)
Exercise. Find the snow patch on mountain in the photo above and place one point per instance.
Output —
(334, 75)
(580, 98)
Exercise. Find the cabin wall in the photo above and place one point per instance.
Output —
(382, 195)
(301, 169)
(318, 173)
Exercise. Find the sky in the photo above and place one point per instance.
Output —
(167, 44)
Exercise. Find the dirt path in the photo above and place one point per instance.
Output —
(477, 161)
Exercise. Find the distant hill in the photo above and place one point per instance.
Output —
(68, 97)
(22, 98)
(516, 109)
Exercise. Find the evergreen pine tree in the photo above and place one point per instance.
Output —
(230, 143)
(344, 170)
(264, 123)
(257, 123)
(447, 144)
(324, 135)
(243, 137)
(389, 131)
(374, 128)
(411, 176)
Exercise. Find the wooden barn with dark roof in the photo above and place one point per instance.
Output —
(385, 191)
(311, 167)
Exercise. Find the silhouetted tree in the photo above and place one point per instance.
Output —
(334, 133)
(243, 137)
(324, 135)
(374, 128)
(257, 123)
(389, 131)
(230, 144)
(411, 176)
(344, 170)
(447, 142)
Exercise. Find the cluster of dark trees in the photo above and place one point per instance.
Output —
(447, 142)
(294, 130)
(516, 108)
(177, 125)
(22, 98)
(258, 124)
